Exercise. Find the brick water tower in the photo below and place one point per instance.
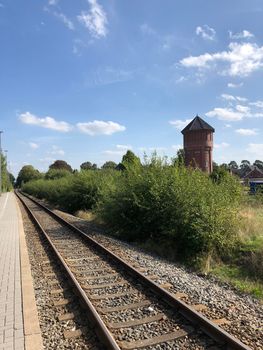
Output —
(198, 144)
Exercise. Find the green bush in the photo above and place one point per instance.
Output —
(176, 204)
(71, 192)
(53, 174)
(169, 205)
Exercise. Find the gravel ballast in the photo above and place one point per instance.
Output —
(51, 328)
(222, 300)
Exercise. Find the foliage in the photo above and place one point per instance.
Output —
(244, 164)
(7, 179)
(219, 173)
(27, 173)
(71, 192)
(233, 165)
(109, 165)
(259, 164)
(88, 166)
(180, 157)
(61, 165)
(238, 276)
(170, 205)
(130, 160)
(177, 204)
(53, 174)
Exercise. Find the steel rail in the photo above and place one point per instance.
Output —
(207, 326)
(100, 328)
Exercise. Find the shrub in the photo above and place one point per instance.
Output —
(71, 192)
(183, 206)
(53, 174)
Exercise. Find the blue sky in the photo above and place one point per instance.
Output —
(85, 80)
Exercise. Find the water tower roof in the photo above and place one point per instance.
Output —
(197, 124)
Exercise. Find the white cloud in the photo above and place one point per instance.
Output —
(242, 59)
(99, 127)
(206, 32)
(119, 150)
(147, 29)
(245, 34)
(53, 2)
(221, 145)
(46, 122)
(176, 147)
(109, 75)
(232, 85)
(256, 149)
(33, 145)
(225, 114)
(246, 132)
(228, 97)
(181, 79)
(124, 147)
(157, 149)
(243, 109)
(63, 18)
(47, 160)
(57, 151)
(95, 20)
(258, 104)
(114, 152)
(236, 111)
(180, 124)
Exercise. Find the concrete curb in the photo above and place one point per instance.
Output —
(33, 338)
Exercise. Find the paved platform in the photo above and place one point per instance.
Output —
(17, 303)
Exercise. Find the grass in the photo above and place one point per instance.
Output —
(246, 269)
(239, 278)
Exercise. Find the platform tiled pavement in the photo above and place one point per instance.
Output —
(11, 317)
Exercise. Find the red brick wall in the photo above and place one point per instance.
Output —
(198, 147)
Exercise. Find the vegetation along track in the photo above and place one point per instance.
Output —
(128, 309)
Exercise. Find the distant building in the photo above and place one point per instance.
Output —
(198, 144)
(250, 173)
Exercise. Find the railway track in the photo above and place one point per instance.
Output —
(128, 309)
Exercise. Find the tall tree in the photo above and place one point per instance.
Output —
(233, 165)
(130, 159)
(109, 165)
(180, 157)
(259, 164)
(88, 166)
(61, 165)
(5, 176)
(27, 173)
(244, 164)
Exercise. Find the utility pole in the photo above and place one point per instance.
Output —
(0, 164)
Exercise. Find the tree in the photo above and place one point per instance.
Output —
(259, 164)
(53, 174)
(11, 179)
(219, 173)
(5, 176)
(27, 173)
(60, 165)
(88, 166)
(233, 165)
(109, 165)
(130, 159)
(244, 164)
(180, 157)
